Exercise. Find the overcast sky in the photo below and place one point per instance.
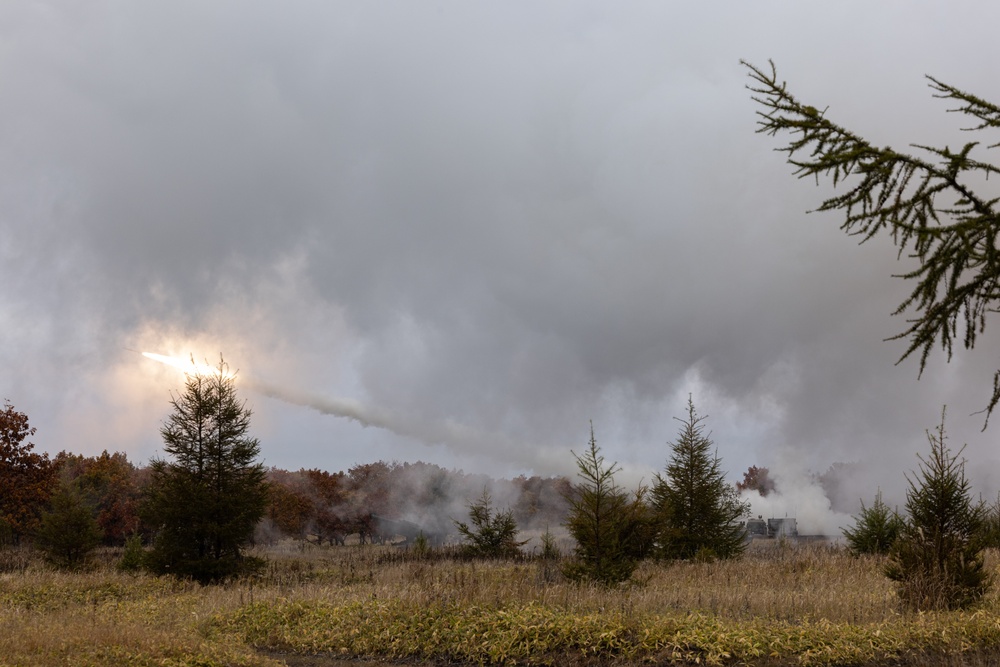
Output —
(478, 226)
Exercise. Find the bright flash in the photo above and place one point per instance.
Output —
(186, 365)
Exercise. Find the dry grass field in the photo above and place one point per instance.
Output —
(779, 605)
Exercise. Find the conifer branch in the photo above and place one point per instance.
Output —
(925, 204)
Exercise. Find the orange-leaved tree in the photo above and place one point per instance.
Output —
(26, 478)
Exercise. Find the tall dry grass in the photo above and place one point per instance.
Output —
(104, 617)
(773, 581)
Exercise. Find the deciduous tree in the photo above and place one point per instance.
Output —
(26, 478)
(756, 479)
(109, 483)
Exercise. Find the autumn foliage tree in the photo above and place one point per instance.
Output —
(26, 478)
(110, 484)
(756, 479)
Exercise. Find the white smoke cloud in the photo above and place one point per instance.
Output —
(798, 494)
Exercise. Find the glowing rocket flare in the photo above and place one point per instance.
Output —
(188, 366)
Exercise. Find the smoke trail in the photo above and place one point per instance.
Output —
(446, 432)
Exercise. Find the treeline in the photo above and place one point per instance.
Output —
(314, 504)
(328, 507)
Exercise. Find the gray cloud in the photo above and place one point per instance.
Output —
(513, 218)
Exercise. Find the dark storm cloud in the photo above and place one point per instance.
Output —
(511, 219)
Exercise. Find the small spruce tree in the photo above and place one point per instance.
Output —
(492, 534)
(698, 511)
(604, 520)
(875, 528)
(937, 561)
(133, 555)
(68, 531)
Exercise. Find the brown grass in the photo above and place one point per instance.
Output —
(104, 617)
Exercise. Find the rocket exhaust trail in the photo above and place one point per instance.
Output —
(445, 432)
(436, 432)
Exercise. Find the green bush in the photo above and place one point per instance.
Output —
(550, 550)
(421, 546)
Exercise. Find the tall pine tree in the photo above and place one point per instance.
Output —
(205, 502)
(697, 510)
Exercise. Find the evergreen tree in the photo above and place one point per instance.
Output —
(937, 561)
(605, 521)
(133, 555)
(875, 529)
(492, 534)
(68, 531)
(697, 510)
(932, 205)
(206, 501)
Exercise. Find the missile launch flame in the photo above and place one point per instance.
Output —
(432, 432)
(187, 366)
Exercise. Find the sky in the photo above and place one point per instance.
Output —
(464, 232)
